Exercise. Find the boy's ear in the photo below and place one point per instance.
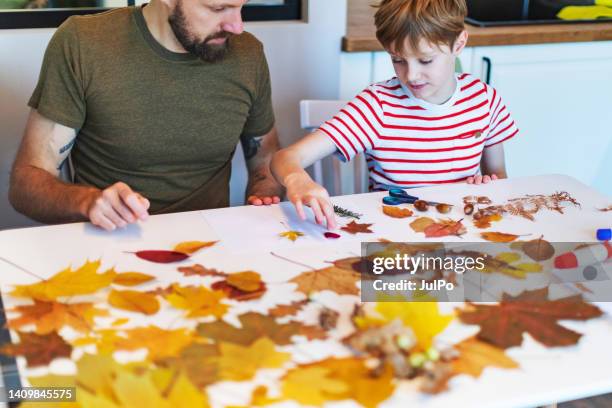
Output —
(460, 42)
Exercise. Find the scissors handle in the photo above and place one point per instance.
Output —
(399, 193)
(391, 200)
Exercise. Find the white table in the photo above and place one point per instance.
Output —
(247, 236)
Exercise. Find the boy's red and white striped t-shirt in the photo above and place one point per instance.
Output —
(409, 142)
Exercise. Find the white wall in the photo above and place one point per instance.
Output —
(304, 59)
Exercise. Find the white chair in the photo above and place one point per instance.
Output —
(338, 177)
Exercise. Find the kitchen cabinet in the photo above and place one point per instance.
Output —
(560, 95)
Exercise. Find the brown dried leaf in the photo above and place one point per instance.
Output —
(396, 212)
(475, 356)
(288, 310)
(355, 228)
(38, 350)
(531, 312)
(237, 294)
(341, 281)
(486, 220)
(539, 249)
(200, 270)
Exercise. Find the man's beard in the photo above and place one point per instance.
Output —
(204, 51)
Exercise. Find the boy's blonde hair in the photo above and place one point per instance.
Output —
(438, 22)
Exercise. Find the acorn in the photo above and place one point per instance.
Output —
(484, 200)
(468, 209)
(478, 215)
(443, 208)
(421, 205)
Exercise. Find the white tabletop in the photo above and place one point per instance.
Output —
(249, 235)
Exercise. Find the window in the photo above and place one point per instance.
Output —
(51, 13)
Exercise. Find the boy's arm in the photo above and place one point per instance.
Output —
(288, 168)
(492, 165)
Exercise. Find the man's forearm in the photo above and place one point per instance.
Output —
(262, 183)
(43, 197)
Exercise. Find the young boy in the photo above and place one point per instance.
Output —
(427, 126)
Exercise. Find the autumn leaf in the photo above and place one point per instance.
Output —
(341, 281)
(396, 212)
(132, 278)
(421, 223)
(531, 312)
(486, 220)
(200, 270)
(444, 228)
(120, 322)
(198, 301)
(423, 318)
(247, 281)
(197, 361)
(337, 380)
(105, 384)
(240, 363)
(53, 316)
(160, 343)
(505, 263)
(539, 249)
(253, 326)
(475, 356)
(191, 247)
(312, 386)
(291, 235)
(134, 301)
(161, 256)
(288, 310)
(82, 281)
(237, 294)
(356, 228)
(38, 350)
(498, 236)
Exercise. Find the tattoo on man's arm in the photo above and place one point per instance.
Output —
(250, 146)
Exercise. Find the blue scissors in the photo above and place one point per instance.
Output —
(398, 196)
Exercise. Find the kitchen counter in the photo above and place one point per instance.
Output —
(361, 33)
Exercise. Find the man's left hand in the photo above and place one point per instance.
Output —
(263, 200)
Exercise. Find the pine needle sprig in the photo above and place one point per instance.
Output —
(343, 212)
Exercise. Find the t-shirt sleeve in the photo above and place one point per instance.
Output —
(356, 127)
(261, 115)
(59, 94)
(502, 126)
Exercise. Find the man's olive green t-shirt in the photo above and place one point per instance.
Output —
(164, 123)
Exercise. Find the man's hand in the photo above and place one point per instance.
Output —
(262, 200)
(116, 207)
(478, 179)
(262, 188)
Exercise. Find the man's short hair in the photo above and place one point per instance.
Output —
(439, 22)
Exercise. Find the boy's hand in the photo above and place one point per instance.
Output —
(302, 190)
(478, 179)
(257, 200)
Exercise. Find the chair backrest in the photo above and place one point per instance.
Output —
(339, 178)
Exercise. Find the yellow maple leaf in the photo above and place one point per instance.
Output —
(134, 301)
(239, 363)
(199, 301)
(160, 343)
(422, 317)
(291, 235)
(311, 385)
(518, 271)
(191, 247)
(475, 356)
(82, 281)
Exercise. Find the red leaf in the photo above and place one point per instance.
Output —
(161, 256)
(331, 235)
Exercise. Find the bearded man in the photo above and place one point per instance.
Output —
(149, 102)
